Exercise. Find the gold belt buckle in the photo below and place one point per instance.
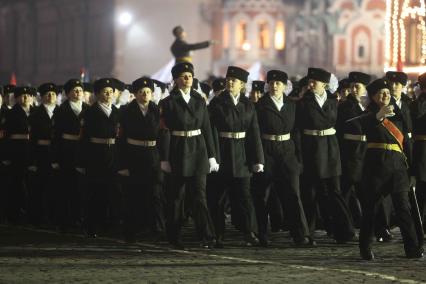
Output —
(389, 147)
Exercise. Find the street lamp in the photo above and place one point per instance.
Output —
(125, 18)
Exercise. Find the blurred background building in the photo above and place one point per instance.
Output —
(58, 39)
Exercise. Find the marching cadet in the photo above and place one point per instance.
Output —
(234, 117)
(281, 146)
(343, 90)
(218, 86)
(88, 93)
(257, 91)
(66, 140)
(140, 161)
(181, 49)
(385, 170)
(8, 101)
(418, 114)
(397, 81)
(98, 157)
(17, 130)
(43, 189)
(188, 154)
(316, 119)
(353, 143)
(3, 167)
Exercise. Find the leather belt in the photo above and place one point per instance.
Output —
(143, 143)
(355, 137)
(71, 137)
(184, 59)
(188, 133)
(420, 137)
(232, 135)
(272, 137)
(44, 142)
(324, 132)
(106, 141)
(20, 136)
(384, 146)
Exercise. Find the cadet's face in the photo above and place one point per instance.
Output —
(76, 94)
(345, 92)
(358, 89)
(144, 95)
(49, 98)
(277, 88)
(396, 89)
(234, 85)
(316, 86)
(24, 100)
(117, 94)
(87, 96)
(106, 95)
(382, 97)
(184, 80)
(255, 96)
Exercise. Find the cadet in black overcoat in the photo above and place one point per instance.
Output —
(352, 141)
(17, 129)
(4, 167)
(188, 153)
(140, 161)
(235, 120)
(418, 115)
(283, 160)
(316, 119)
(385, 171)
(43, 189)
(66, 145)
(100, 126)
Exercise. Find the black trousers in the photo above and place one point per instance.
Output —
(350, 190)
(326, 193)
(242, 207)
(177, 187)
(421, 199)
(144, 204)
(42, 196)
(104, 202)
(70, 211)
(17, 193)
(288, 191)
(375, 187)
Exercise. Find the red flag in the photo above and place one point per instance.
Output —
(13, 79)
(399, 66)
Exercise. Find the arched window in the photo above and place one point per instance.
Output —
(263, 35)
(241, 35)
(279, 35)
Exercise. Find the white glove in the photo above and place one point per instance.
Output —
(124, 173)
(214, 166)
(165, 166)
(258, 168)
(6, 162)
(32, 169)
(55, 166)
(386, 111)
(81, 170)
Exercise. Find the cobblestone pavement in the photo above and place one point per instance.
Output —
(35, 256)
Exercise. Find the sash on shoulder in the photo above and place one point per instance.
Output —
(394, 131)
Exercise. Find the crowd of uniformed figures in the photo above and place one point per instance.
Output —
(308, 160)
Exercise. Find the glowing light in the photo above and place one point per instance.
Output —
(246, 46)
(125, 18)
(395, 28)
(279, 36)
